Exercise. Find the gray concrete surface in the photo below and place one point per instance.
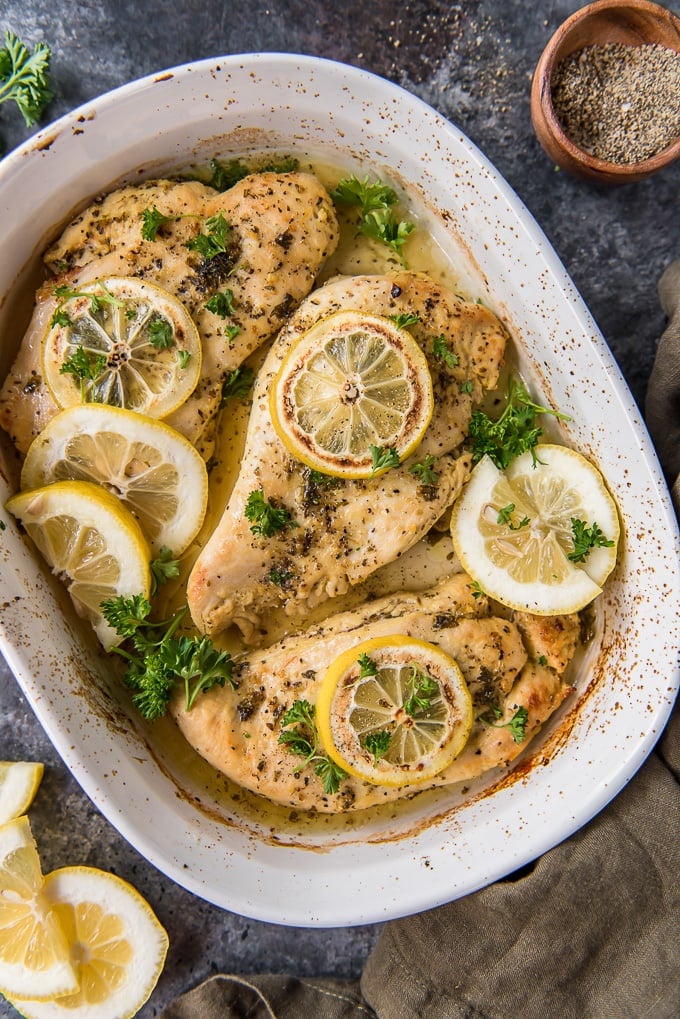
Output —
(473, 62)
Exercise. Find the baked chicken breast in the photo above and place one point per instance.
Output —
(282, 227)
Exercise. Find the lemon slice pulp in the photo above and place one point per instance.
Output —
(155, 471)
(34, 953)
(123, 342)
(117, 945)
(19, 781)
(350, 382)
(91, 542)
(394, 710)
(513, 531)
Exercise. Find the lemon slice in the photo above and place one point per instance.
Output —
(153, 469)
(19, 781)
(117, 945)
(123, 342)
(92, 543)
(400, 722)
(350, 382)
(34, 954)
(513, 530)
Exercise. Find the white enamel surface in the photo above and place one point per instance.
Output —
(624, 696)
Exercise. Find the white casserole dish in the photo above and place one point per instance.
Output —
(170, 807)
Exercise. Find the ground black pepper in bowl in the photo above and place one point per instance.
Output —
(618, 102)
(613, 114)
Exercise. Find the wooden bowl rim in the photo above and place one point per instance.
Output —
(544, 72)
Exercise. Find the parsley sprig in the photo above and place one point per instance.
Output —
(442, 352)
(516, 726)
(152, 221)
(405, 319)
(377, 743)
(586, 539)
(367, 666)
(421, 689)
(424, 471)
(376, 203)
(24, 77)
(85, 366)
(513, 433)
(98, 298)
(266, 518)
(163, 568)
(157, 659)
(505, 517)
(238, 384)
(383, 458)
(222, 303)
(214, 241)
(300, 736)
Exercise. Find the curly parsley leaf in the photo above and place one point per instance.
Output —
(366, 194)
(505, 517)
(586, 539)
(221, 303)
(422, 688)
(375, 202)
(303, 740)
(85, 366)
(280, 578)
(163, 568)
(238, 384)
(513, 433)
(424, 472)
(367, 666)
(383, 458)
(152, 221)
(97, 298)
(377, 743)
(442, 352)
(160, 334)
(516, 726)
(24, 77)
(225, 175)
(266, 518)
(214, 242)
(405, 319)
(157, 659)
(382, 225)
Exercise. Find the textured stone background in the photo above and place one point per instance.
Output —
(473, 62)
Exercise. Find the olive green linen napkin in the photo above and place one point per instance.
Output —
(590, 931)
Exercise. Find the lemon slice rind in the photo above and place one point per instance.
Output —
(116, 939)
(443, 729)
(91, 541)
(153, 378)
(19, 781)
(562, 484)
(156, 472)
(352, 381)
(34, 954)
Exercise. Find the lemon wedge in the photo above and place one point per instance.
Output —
(19, 781)
(151, 468)
(124, 342)
(516, 531)
(351, 382)
(394, 711)
(35, 958)
(117, 945)
(91, 542)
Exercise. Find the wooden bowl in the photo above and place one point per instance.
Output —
(633, 23)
